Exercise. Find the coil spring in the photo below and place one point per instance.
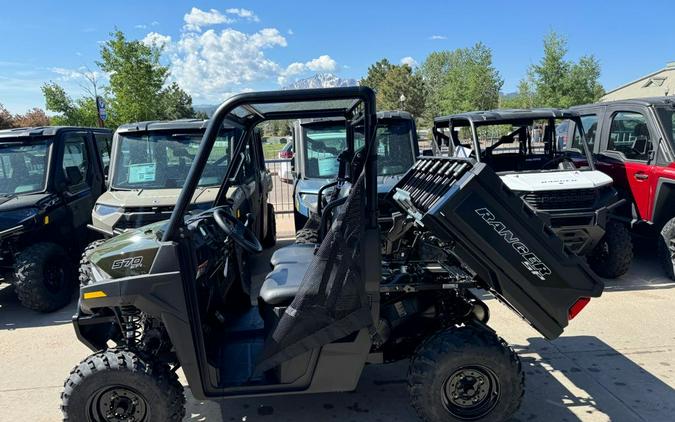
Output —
(131, 324)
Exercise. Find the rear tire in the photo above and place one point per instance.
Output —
(44, 277)
(465, 374)
(611, 258)
(116, 385)
(666, 240)
(270, 238)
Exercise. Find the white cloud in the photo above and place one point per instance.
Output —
(212, 64)
(140, 26)
(66, 74)
(409, 61)
(154, 23)
(438, 37)
(243, 13)
(157, 40)
(290, 32)
(197, 18)
(322, 63)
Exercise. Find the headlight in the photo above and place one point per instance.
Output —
(101, 209)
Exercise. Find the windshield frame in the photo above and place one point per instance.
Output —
(116, 153)
(49, 143)
(669, 135)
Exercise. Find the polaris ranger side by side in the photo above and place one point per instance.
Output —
(49, 180)
(149, 165)
(164, 296)
(319, 142)
(634, 142)
(558, 182)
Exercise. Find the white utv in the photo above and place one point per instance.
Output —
(554, 175)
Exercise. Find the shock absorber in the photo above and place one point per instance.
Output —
(131, 322)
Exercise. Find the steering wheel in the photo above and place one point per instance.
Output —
(235, 229)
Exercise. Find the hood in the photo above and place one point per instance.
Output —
(153, 197)
(556, 180)
(16, 210)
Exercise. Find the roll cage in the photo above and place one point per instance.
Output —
(476, 119)
(247, 110)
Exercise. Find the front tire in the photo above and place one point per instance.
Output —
(611, 258)
(667, 248)
(44, 277)
(117, 385)
(465, 374)
(84, 274)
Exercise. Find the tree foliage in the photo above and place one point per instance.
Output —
(397, 87)
(6, 118)
(558, 82)
(81, 112)
(34, 117)
(461, 80)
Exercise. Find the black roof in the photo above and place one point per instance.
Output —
(387, 114)
(44, 131)
(648, 101)
(153, 125)
(506, 115)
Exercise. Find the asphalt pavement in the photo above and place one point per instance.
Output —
(616, 361)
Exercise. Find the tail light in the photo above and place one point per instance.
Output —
(286, 154)
(578, 306)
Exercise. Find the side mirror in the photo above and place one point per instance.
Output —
(641, 145)
(73, 175)
(427, 153)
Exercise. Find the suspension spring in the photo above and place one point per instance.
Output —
(131, 321)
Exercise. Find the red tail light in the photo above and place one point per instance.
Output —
(286, 154)
(578, 306)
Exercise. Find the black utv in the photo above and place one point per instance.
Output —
(49, 180)
(164, 296)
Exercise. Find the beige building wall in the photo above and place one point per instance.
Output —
(656, 84)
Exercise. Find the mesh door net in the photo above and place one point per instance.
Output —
(331, 302)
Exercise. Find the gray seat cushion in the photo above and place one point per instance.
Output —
(295, 253)
(282, 284)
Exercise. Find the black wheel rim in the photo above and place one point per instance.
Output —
(118, 404)
(471, 392)
(671, 248)
(54, 276)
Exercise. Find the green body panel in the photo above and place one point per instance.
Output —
(131, 253)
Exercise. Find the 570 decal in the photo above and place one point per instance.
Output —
(530, 260)
(128, 263)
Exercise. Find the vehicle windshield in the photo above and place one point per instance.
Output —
(667, 117)
(23, 167)
(161, 160)
(538, 145)
(394, 146)
(322, 144)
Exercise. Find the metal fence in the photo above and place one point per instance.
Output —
(282, 185)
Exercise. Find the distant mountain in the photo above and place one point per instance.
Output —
(205, 108)
(321, 80)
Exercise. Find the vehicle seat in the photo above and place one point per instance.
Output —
(282, 284)
(295, 253)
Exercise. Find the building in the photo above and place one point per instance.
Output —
(656, 84)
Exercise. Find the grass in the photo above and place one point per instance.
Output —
(271, 150)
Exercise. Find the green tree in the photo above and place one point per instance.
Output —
(392, 83)
(175, 103)
(136, 78)
(471, 81)
(6, 119)
(558, 82)
(434, 71)
(81, 112)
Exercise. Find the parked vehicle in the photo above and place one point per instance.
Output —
(633, 142)
(150, 163)
(164, 294)
(320, 141)
(561, 185)
(286, 167)
(49, 180)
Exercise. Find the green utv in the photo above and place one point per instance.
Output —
(166, 296)
(49, 180)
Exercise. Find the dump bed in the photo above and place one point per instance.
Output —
(513, 253)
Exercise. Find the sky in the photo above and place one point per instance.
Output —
(217, 48)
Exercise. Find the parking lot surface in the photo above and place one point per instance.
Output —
(615, 362)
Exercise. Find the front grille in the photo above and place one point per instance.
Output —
(562, 200)
(134, 217)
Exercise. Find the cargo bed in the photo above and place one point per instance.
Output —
(513, 253)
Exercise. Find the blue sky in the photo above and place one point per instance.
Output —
(255, 45)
